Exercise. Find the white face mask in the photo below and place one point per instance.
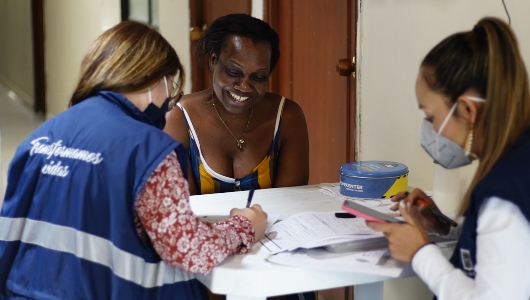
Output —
(446, 152)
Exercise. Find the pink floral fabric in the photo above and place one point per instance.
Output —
(166, 221)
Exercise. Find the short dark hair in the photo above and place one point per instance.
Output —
(243, 25)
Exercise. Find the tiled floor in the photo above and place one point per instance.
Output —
(16, 123)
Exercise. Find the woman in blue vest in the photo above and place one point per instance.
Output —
(96, 205)
(473, 88)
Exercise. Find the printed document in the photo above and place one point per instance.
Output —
(310, 230)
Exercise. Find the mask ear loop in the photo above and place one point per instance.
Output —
(476, 99)
(167, 90)
(447, 118)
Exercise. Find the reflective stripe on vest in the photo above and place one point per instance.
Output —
(91, 248)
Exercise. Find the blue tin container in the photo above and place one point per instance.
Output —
(373, 179)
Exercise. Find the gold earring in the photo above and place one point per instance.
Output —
(469, 141)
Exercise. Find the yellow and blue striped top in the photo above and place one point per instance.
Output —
(208, 181)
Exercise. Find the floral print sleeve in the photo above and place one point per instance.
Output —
(166, 220)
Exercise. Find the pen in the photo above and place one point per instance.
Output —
(342, 215)
(437, 213)
(250, 195)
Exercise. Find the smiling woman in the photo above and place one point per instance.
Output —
(240, 136)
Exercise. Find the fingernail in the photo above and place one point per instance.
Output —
(402, 204)
(406, 193)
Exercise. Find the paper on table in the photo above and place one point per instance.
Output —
(271, 219)
(309, 229)
(377, 262)
(372, 243)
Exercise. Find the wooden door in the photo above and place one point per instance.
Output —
(314, 35)
(39, 78)
(202, 14)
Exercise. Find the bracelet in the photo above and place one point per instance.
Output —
(429, 243)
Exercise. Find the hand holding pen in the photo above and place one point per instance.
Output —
(254, 214)
(437, 213)
(425, 211)
(249, 199)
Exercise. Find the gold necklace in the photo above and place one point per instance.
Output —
(241, 140)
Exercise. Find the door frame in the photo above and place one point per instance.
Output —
(202, 13)
(196, 68)
(279, 14)
(39, 77)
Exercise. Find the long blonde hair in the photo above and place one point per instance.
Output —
(485, 59)
(129, 57)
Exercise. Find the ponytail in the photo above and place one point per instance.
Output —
(506, 114)
(487, 60)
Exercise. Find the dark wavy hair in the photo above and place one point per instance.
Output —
(215, 37)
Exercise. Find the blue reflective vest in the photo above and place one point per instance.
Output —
(67, 223)
(509, 179)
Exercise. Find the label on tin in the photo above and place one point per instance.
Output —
(352, 187)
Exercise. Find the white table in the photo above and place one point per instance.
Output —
(250, 277)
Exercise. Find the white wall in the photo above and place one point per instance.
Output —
(174, 17)
(70, 27)
(16, 48)
(257, 9)
(394, 36)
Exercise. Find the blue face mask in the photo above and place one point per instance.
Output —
(446, 152)
(156, 114)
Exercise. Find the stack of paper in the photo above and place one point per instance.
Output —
(378, 261)
(311, 230)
